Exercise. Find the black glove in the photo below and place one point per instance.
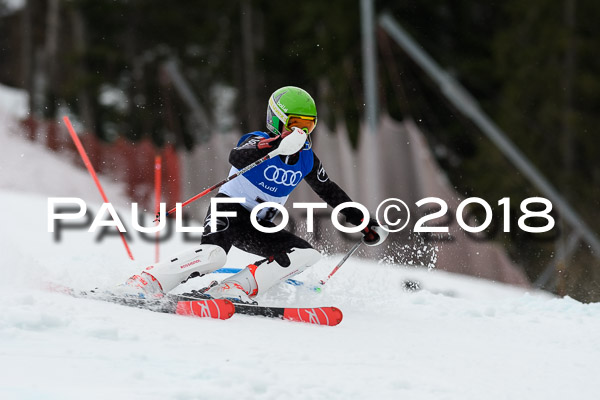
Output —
(374, 234)
(270, 143)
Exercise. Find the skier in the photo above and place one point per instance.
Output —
(291, 118)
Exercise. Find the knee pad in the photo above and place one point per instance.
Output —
(199, 261)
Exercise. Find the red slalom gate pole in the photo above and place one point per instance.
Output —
(157, 190)
(92, 172)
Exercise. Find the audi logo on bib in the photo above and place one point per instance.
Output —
(282, 176)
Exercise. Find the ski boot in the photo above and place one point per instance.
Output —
(231, 291)
(142, 286)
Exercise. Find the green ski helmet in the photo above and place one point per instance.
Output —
(291, 106)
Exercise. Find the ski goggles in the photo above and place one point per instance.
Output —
(307, 124)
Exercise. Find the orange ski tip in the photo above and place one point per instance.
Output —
(231, 308)
(329, 316)
(338, 315)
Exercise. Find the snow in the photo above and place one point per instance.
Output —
(14, 101)
(455, 338)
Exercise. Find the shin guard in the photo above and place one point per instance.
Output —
(202, 260)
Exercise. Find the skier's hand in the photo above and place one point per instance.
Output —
(270, 143)
(291, 143)
(374, 234)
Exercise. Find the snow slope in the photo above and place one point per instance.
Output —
(456, 338)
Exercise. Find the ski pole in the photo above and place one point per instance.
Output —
(347, 256)
(218, 185)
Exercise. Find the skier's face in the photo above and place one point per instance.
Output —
(307, 124)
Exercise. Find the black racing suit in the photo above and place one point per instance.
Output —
(240, 233)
